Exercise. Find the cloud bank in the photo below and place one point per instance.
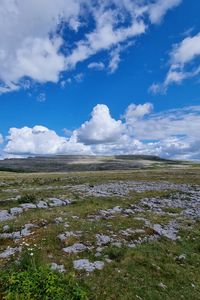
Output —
(171, 134)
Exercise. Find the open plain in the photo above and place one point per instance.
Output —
(128, 234)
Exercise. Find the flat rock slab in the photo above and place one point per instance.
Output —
(169, 231)
(14, 211)
(4, 215)
(9, 252)
(122, 188)
(77, 247)
(102, 239)
(28, 206)
(55, 202)
(42, 204)
(85, 264)
(67, 234)
(19, 234)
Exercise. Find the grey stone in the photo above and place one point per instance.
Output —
(58, 220)
(42, 204)
(6, 228)
(26, 230)
(140, 241)
(122, 188)
(28, 206)
(9, 252)
(117, 244)
(169, 231)
(85, 264)
(4, 215)
(77, 247)
(14, 211)
(55, 202)
(129, 211)
(67, 201)
(130, 231)
(13, 235)
(102, 239)
(66, 234)
(58, 268)
(18, 234)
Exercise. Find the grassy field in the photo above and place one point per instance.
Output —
(157, 268)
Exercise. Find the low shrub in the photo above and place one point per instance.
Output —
(39, 284)
(27, 198)
(115, 253)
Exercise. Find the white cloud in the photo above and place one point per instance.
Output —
(159, 9)
(32, 43)
(103, 37)
(155, 88)
(40, 140)
(79, 77)
(99, 66)
(183, 63)
(135, 112)
(114, 61)
(172, 133)
(41, 97)
(1, 139)
(170, 123)
(101, 128)
(186, 51)
(26, 48)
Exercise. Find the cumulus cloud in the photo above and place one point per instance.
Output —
(172, 134)
(183, 62)
(101, 128)
(34, 45)
(135, 112)
(40, 140)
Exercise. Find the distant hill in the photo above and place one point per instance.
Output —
(71, 163)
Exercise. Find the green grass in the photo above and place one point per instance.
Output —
(30, 280)
(134, 273)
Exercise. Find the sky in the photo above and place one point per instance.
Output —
(100, 77)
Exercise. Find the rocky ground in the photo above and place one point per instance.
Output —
(108, 226)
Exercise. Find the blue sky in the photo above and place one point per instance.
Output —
(94, 77)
